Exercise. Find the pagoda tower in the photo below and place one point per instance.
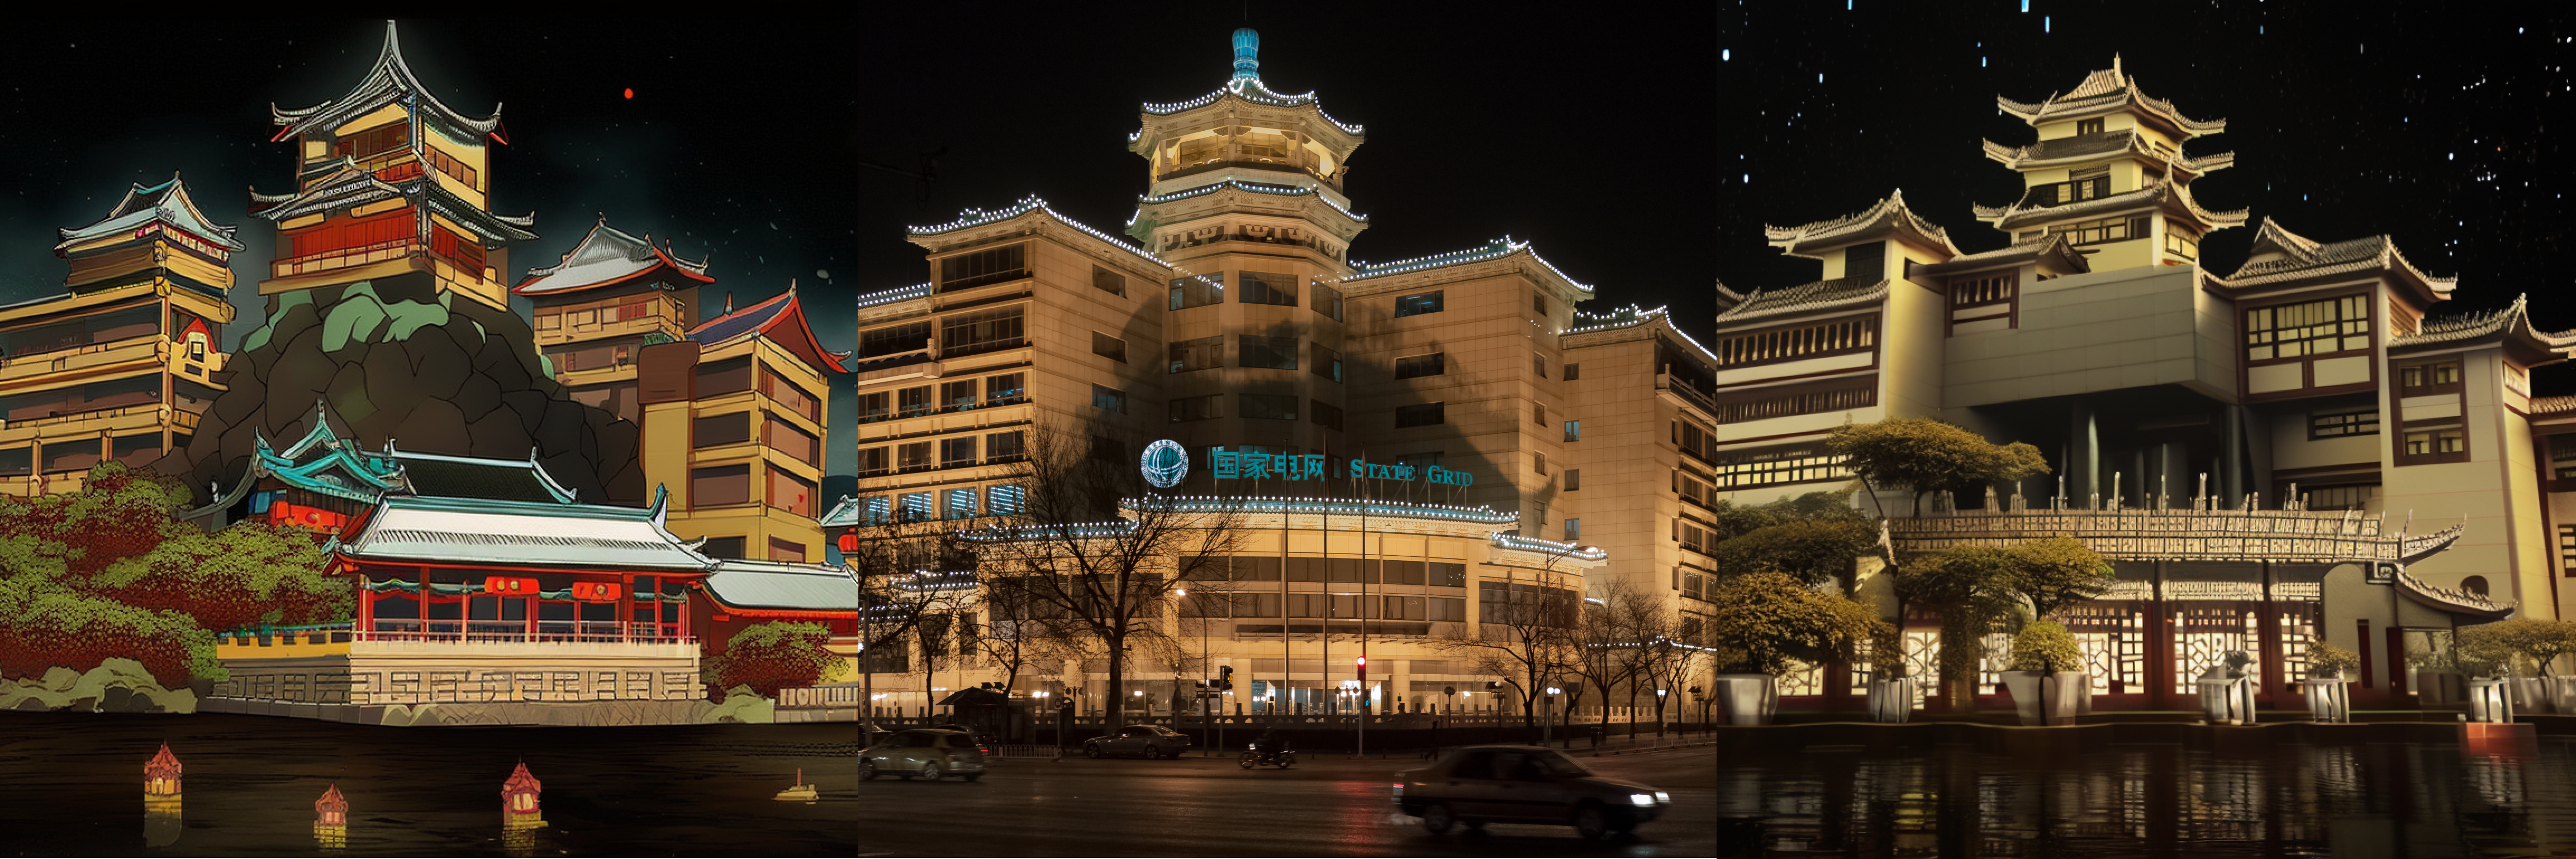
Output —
(1245, 203)
(390, 181)
(2109, 173)
(612, 295)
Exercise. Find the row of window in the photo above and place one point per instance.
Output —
(731, 485)
(1775, 466)
(953, 452)
(951, 396)
(1798, 402)
(1273, 407)
(1837, 337)
(1333, 606)
(735, 428)
(1278, 290)
(1373, 571)
(959, 335)
(1252, 351)
(965, 502)
(2322, 327)
(135, 450)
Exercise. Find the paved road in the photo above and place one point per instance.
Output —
(1210, 807)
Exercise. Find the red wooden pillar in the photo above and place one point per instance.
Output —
(619, 609)
(2268, 637)
(2396, 666)
(2159, 644)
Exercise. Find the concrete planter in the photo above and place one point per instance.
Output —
(2329, 698)
(2048, 699)
(2489, 701)
(2227, 702)
(2440, 687)
(1891, 702)
(1749, 699)
(2562, 693)
(2531, 695)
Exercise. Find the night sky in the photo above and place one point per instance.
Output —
(745, 139)
(2441, 124)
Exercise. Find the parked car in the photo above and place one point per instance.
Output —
(926, 752)
(1523, 784)
(1152, 741)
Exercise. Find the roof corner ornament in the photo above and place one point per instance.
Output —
(1247, 55)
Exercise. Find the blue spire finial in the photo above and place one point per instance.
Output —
(1247, 54)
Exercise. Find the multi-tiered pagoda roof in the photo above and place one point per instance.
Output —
(2108, 91)
(167, 204)
(608, 256)
(388, 81)
(782, 320)
(1887, 217)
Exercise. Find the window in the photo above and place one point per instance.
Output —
(2567, 551)
(1266, 288)
(913, 506)
(1815, 340)
(2562, 457)
(1186, 409)
(1573, 372)
(1109, 347)
(912, 457)
(1267, 353)
(1205, 353)
(729, 548)
(363, 144)
(1324, 415)
(797, 444)
(954, 452)
(1790, 400)
(1403, 573)
(1538, 303)
(1774, 466)
(1983, 296)
(1867, 261)
(1255, 569)
(914, 400)
(719, 486)
(1005, 499)
(720, 430)
(1448, 574)
(894, 339)
(983, 268)
(873, 460)
(2339, 424)
(1328, 301)
(1108, 281)
(1573, 430)
(2088, 126)
(1451, 609)
(2106, 230)
(724, 377)
(1109, 399)
(2422, 379)
(1422, 415)
(1538, 414)
(1416, 305)
(787, 394)
(1417, 366)
(791, 493)
(875, 405)
(1273, 407)
(1423, 461)
(1008, 386)
(1005, 446)
(1573, 479)
(957, 503)
(1538, 365)
(958, 395)
(1328, 363)
(2433, 444)
(2181, 242)
(1573, 530)
(2311, 328)
(977, 333)
(1198, 290)
(1538, 463)
(2354, 497)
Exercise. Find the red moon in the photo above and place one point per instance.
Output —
(630, 93)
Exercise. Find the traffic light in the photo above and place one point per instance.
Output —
(1363, 664)
(1225, 678)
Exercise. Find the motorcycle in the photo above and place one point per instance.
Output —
(1258, 754)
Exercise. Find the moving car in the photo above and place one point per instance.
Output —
(1523, 784)
(1152, 741)
(926, 752)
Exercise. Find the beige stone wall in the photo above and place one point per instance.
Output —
(374, 673)
(2103, 331)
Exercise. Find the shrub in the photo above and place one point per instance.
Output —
(771, 656)
(2536, 642)
(2046, 647)
(2327, 660)
(1772, 622)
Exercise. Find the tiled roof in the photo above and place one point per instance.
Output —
(782, 318)
(1805, 298)
(2553, 405)
(1492, 250)
(2156, 191)
(389, 80)
(2303, 257)
(972, 218)
(484, 479)
(514, 533)
(2093, 146)
(2102, 92)
(1251, 90)
(168, 203)
(1889, 213)
(605, 256)
(2044, 246)
(775, 585)
(2477, 325)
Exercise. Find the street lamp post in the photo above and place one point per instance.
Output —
(1547, 715)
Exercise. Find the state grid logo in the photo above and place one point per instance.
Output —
(1164, 464)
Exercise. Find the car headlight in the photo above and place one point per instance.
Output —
(1641, 799)
(1661, 796)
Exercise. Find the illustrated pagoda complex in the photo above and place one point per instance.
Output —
(612, 295)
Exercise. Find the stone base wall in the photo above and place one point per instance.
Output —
(468, 675)
(581, 714)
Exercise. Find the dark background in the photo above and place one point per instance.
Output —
(2438, 123)
(1584, 132)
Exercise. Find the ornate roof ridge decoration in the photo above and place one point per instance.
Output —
(2304, 258)
(1492, 250)
(2103, 92)
(2155, 190)
(1889, 212)
(369, 475)
(1727, 297)
(971, 218)
(2561, 404)
(2512, 322)
(387, 81)
(782, 318)
(349, 185)
(1807, 298)
(2044, 247)
(606, 256)
(1241, 185)
(2091, 147)
(2194, 533)
(2455, 601)
(168, 203)
(405, 528)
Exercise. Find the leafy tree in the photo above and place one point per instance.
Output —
(1813, 551)
(2538, 642)
(1971, 587)
(247, 574)
(1772, 623)
(1926, 455)
(2046, 647)
(777, 655)
(2057, 572)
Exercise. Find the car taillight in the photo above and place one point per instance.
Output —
(1399, 788)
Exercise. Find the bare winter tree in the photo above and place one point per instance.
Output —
(1611, 653)
(1527, 635)
(1090, 539)
(909, 567)
(1016, 638)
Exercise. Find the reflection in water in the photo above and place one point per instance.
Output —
(2389, 799)
(331, 821)
(161, 799)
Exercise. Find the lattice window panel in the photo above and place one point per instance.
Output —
(1923, 661)
(1803, 680)
(1990, 669)
(2113, 638)
(2298, 633)
(2203, 636)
